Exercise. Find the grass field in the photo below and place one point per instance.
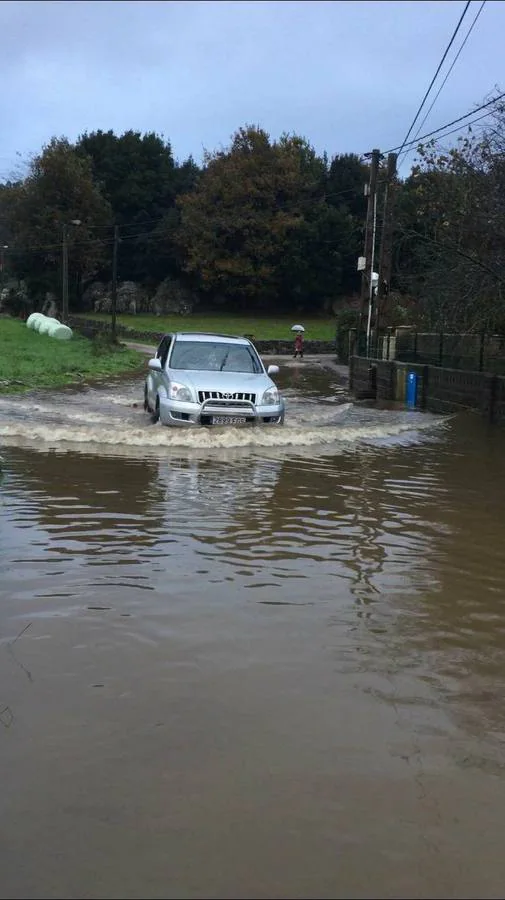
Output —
(263, 328)
(30, 360)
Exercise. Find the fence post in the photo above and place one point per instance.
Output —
(351, 350)
(372, 380)
(392, 380)
(441, 349)
(481, 352)
(426, 380)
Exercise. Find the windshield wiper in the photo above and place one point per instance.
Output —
(221, 367)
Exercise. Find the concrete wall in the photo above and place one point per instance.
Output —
(439, 389)
(372, 378)
(360, 380)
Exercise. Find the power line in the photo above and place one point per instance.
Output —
(437, 95)
(455, 130)
(432, 82)
(148, 235)
(451, 248)
(142, 223)
(449, 124)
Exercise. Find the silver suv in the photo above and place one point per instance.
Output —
(211, 379)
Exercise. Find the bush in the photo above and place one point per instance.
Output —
(103, 342)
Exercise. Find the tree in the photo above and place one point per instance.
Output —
(139, 178)
(256, 229)
(344, 190)
(58, 189)
(452, 230)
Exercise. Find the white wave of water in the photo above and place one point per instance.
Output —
(159, 439)
(105, 422)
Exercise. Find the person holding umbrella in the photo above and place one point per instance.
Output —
(299, 329)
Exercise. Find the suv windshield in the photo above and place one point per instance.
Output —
(214, 357)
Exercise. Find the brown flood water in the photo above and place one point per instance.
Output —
(239, 665)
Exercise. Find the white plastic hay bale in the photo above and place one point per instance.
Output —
(42, 326)
(32, 319)
(47, 325)
(39, 321)
(59, 331)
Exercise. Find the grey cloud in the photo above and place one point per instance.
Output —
(346, 75)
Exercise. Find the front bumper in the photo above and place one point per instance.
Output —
(173, 412)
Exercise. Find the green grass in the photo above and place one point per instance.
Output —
(263, 328)
(30, 360)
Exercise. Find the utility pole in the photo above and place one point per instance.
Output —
(64, 274)
(114, 282)
(386, 248)
(366, 277)
(371, 286)
(64, 270)
(3, 248)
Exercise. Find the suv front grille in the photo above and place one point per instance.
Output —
(226, 397)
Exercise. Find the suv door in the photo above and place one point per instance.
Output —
(155, 378)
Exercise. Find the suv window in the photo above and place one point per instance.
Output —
(163, 349)
(212, 356)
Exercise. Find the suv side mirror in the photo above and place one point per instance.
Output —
(154, 365)
(273, 370)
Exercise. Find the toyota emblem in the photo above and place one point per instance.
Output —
(228, 396)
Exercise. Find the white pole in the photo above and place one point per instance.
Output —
(370, 296)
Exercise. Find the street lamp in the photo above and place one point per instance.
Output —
(117, 240)
(64, 304)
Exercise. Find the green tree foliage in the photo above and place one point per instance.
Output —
(265, 224)
(139, 178)
(344, 191)
(258, 231)
(451, 232)
(59, 188)
(347, 175)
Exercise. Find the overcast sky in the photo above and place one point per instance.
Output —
(347, 75)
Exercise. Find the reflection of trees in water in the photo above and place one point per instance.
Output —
(89, 499)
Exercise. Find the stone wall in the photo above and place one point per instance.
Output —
(90, 327)
(272, 347)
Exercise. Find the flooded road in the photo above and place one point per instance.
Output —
(251, 664)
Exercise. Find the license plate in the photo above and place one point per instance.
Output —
(229, 420)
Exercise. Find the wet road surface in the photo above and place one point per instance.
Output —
(252, 664)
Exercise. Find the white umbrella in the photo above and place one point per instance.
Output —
(297, 328)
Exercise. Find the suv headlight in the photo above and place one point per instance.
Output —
(271, 397)
(178, 391)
